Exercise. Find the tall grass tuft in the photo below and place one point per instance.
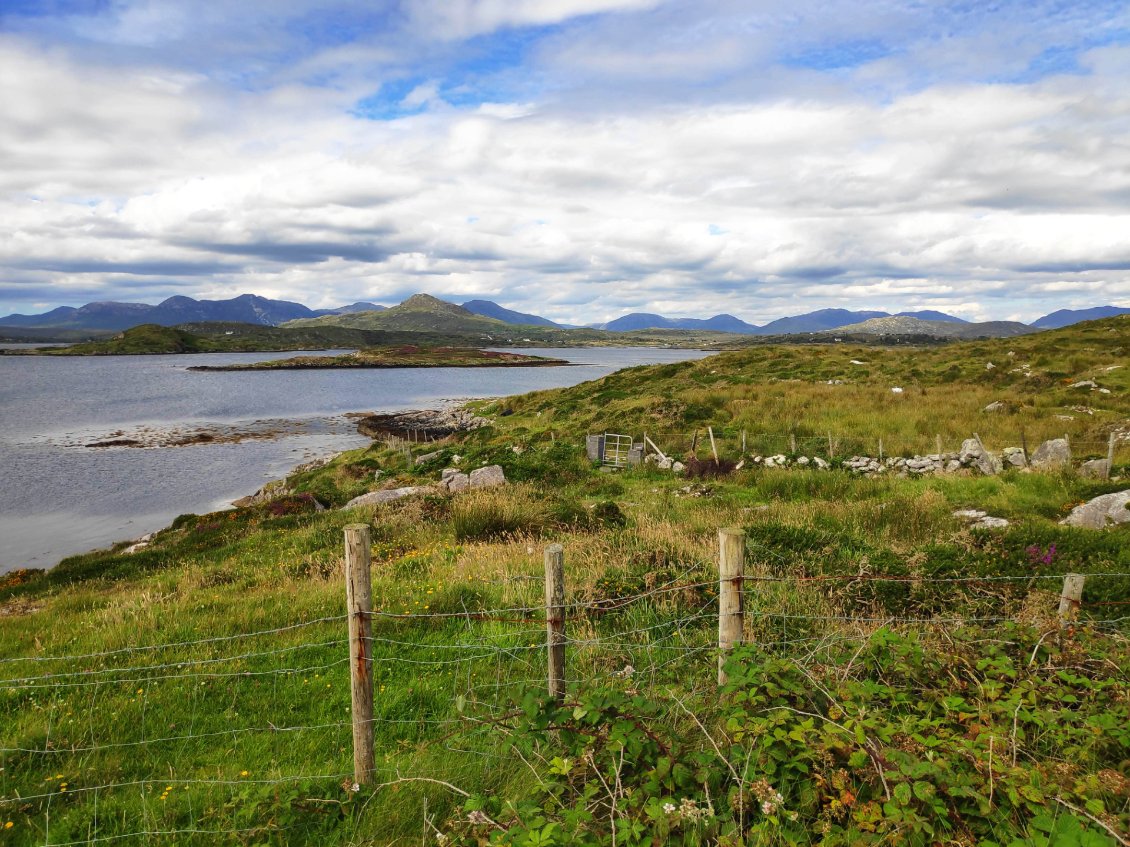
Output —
(498, 513)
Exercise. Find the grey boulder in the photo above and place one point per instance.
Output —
(1052, 454)
(1105, 510)
(376, 498)
(487, 477)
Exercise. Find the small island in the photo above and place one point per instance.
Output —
(403, 356)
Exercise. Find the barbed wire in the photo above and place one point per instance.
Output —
(96, 839)
(174, 644)
(80, 789)
(206, 675)
(142, 673)
(184, 663)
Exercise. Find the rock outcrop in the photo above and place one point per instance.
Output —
(423, 424)
(1105, 510)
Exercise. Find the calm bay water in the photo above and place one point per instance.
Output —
(59, 497)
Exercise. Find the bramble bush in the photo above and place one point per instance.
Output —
(1001, 740)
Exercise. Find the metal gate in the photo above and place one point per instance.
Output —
(616, 449)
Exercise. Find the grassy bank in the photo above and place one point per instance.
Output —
(906, 682)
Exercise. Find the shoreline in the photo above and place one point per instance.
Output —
(445, 409)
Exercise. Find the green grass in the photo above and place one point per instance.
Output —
(451, 691)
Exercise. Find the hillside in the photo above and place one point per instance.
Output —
(776, 391)
(489, 309)
(419, 313)
(908, 325)
(425, 314)
(905, 678)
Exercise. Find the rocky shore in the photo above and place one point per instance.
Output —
(421, 425)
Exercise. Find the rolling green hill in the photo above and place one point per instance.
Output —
(419, 313)
(1073, 380)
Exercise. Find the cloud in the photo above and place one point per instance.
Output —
(745, 158)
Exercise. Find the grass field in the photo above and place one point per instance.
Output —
(906, 682)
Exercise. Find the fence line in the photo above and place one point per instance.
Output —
(611, 604)
(685, 603)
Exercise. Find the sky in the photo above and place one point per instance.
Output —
(579, 159)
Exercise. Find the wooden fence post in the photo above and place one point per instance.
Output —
(1070, 599)
(1109, 457)
(359, 603)
(713, 446)
(731, 618)
(792, 442)
(555, 618)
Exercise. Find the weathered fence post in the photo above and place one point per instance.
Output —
(1109, 456)
(731, 618)
(359, 603)
(792, 442)
(1069, 600)
(555, 618)
(713, 446)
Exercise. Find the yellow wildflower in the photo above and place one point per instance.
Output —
(245, 773)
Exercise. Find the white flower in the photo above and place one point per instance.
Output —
(668, 808)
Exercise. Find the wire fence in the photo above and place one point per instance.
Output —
(162, 742)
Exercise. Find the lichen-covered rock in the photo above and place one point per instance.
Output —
(487, 477)
(1105, 510)
(974, 455)
(1052, 454)
(1014, 457)
(1095, 469)
(457, 482)
(376, 498)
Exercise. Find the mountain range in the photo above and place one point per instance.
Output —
(250, 308)
(246, 308)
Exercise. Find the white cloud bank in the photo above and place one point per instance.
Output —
(987, 199)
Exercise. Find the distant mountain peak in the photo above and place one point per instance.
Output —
(1067, 317)
(427, 303)
(490, 309)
